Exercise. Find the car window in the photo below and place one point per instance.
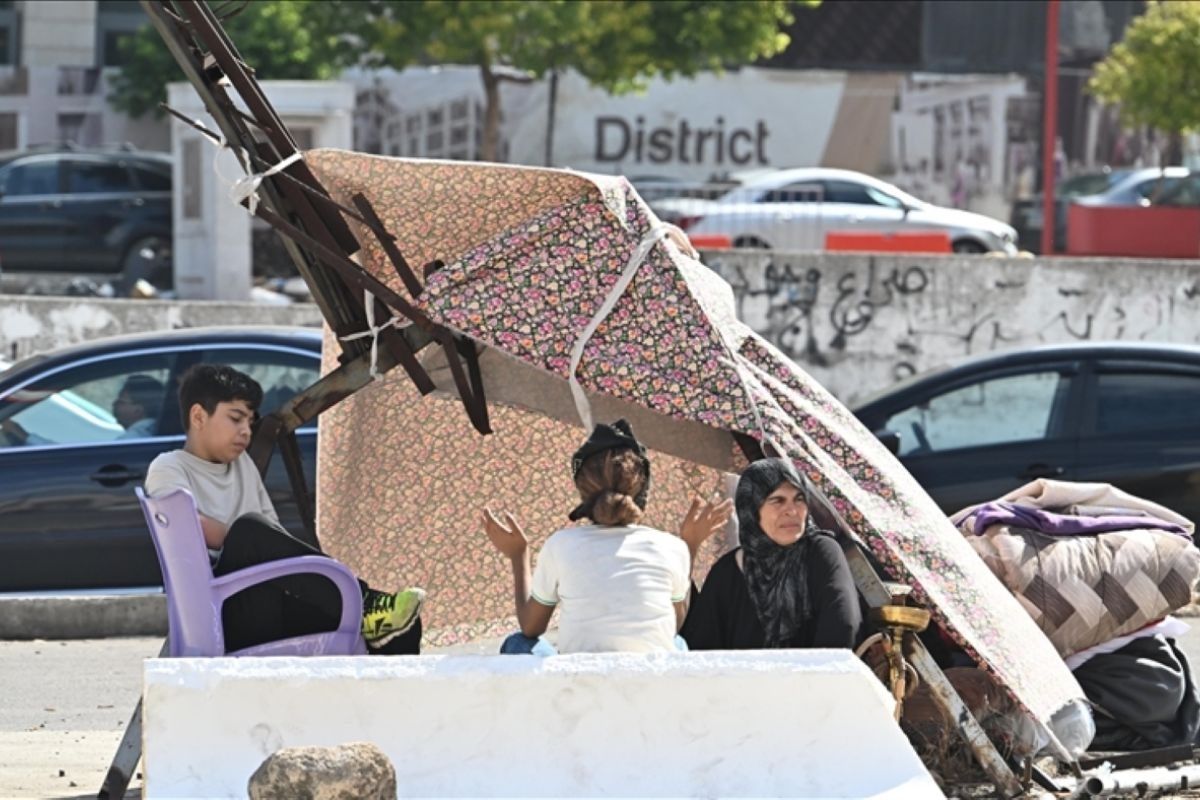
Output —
(848, 192)
(1127, 402)
(1080, 185)
(35, 177)
(806, 192)
(1156, 186)
(153, 180)
(1012, 408)
(97, 177)
(103, 401)
(281, 374)
(1185, 193)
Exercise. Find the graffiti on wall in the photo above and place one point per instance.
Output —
(860, 323)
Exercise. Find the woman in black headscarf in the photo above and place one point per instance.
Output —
(788, 585)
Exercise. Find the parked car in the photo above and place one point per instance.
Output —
(84, 212)
(1027, 214)
(796, 208)
(68, 515)
(1118, 413)
(1147, 187)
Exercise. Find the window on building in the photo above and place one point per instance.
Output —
(8, 131)
(113, 48)
(192, 176)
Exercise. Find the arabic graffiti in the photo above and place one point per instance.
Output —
(859, 323)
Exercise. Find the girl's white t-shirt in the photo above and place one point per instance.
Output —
(615, 586)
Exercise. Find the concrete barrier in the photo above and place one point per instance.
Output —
(797, 723)
(82, 616)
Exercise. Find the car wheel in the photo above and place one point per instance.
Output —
(148, 259)
(751, 243)
(969, 246)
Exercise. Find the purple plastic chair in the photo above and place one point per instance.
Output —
(195, 597)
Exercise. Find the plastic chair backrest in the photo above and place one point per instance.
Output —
(192, 612)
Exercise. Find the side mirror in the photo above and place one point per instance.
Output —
(890, 440)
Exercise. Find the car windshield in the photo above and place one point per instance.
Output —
(1091, 183)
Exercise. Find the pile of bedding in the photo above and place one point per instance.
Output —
(1100, 571)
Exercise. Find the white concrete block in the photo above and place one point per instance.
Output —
(796, 723)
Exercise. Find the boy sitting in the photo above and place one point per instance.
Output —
(241, 529)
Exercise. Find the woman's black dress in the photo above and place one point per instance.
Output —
(722, 617)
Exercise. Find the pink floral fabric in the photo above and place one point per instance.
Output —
(532, 254)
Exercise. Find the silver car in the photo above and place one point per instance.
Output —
(794, 209)
(1172, 186)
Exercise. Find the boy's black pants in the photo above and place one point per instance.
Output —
(294, 605)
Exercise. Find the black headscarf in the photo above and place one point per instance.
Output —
(776, 576)
(618, 436)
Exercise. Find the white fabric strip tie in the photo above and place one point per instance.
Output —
(374, 330)
(245, 188)
(582, 406)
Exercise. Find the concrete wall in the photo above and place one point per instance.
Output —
(859, 323)
(31, 325)
(801, 723)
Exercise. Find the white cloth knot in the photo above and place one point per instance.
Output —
(373, 330)
(245, 188)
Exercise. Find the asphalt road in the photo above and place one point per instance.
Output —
(65, 704)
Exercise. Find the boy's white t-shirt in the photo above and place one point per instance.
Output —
(223, 492)
(615, 586)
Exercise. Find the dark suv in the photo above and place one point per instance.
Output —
(86, 212)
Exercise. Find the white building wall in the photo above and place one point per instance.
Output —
(59, 32)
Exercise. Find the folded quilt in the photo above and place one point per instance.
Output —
(1081, 581)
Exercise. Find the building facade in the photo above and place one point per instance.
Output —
(56, 60)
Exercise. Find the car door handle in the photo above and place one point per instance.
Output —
(1034, 471)
(115, 475)
(136, 202)
(52, 204)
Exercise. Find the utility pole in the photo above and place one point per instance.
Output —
(1049, 127)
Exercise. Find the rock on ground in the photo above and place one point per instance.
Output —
(354, 771)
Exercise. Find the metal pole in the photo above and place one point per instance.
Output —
(1049, 126)
(1142, 781)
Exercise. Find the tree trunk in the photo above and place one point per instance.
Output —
(490, 149)
(1174, 153)
(553, 105)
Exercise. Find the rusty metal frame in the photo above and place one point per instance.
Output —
(312, 225)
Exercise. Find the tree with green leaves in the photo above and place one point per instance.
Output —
(617, 45)
(1152, 74)
(280, 39)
